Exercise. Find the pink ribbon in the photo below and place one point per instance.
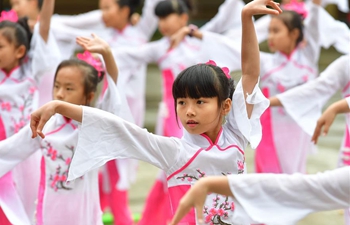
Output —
(299, 7)
(87, 57)
(224, 69)
(9, 15)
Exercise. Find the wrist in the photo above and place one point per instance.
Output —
(191, 29)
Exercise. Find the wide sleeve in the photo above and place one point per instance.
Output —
(149, 21)
(44, 56)
(247, 129)
(16, 149)
(227, 18)
(114, 101)
(87, 20)
(134, 56)
(305, 102)
(104, 136)
(272, 198)
(223, 50)
(340, 32)
(312, 34)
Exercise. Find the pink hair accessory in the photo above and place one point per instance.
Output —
(9, 15)
(295, 5)
(224, 69)
(87, 57)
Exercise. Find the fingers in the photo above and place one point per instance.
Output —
(33, 126)
(317, 131)
(275, 8)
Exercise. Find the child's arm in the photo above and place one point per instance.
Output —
(250, 47)
(97, 45)
(40, 117)
(197, 195)
(327, 118)
(45, 18)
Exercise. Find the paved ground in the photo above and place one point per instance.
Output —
(324, 160)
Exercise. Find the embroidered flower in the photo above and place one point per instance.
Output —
(208, 218)
(280, 87)
(6, 106)
(68, 160)
(54, 155)
(21, 108)
(232, 206)
(32, 90)
(221, 212)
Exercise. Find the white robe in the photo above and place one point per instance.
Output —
(278, 199)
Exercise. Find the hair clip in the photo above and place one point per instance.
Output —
(224, 69)
(296, 6)
(9, 16)
(87, 57)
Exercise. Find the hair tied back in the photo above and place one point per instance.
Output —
(224, 69)
(87, 57)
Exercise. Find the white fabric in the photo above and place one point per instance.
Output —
(278, 199)
(63, 203)
(343, 5)
(348, 101)
(305, 103)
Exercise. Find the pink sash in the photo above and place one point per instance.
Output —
(266, 159)
(170, 126)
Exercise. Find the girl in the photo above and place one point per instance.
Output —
(75, 82)
(304, 103)
(112, 22)
(19, 76)
(283, 201)
(202, 94)
(292, 63)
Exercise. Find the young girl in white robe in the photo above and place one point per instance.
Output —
(202, 94)
(61, 202)
(304, 103)
(292, 63)
(285, 199)
(20, 75)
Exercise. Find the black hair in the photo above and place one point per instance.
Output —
(131, 4)
(167, 7)
(293, 20)
(40, 4)
(91, 76)
(203, 81)
(17, 33)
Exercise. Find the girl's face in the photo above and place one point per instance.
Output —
(69, 86)
(280, 38)
(9, 54)
(172, 23)
(200, 116)
(113, 15)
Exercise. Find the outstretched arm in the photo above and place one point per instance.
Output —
(250, 46)
(45, 18)
(327, 118)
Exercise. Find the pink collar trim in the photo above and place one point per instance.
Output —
(11, 71)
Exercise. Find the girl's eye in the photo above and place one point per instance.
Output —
(200, 102)
(69, 89)
(181, 102)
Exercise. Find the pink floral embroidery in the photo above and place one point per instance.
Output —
(240, 166)
(281, 88)
(305, 78)
(32, 90)
(218, 212)
(6, 106)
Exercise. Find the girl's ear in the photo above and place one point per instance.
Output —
(295, 34)
(20, 52)
(184, 19)
(90, 97)
(226, 106)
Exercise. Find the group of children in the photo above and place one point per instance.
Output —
(64, 162)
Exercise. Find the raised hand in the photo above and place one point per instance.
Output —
(94, 44)
(259, 7)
